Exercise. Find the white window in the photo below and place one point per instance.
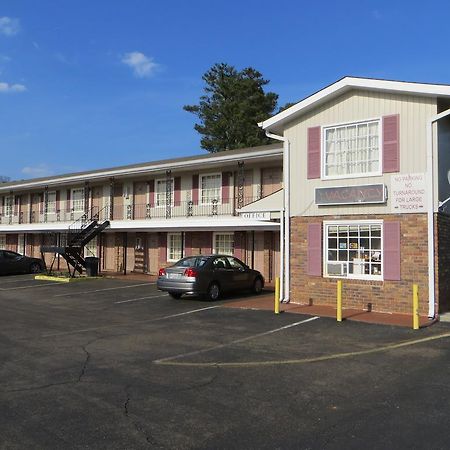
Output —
(2, 241)
(78, 200)
(354, 250)
(91, 248)
(224, 243)
(164, 187)
(352, 150)
(174, 246)
(9, 206)
(210, 186)
(51, 202)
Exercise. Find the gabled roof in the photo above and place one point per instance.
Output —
(346, 84)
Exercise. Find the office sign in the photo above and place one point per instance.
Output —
(351, 195)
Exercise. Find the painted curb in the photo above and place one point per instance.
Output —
(64, 279)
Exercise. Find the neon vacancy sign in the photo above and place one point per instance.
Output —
(351, 195)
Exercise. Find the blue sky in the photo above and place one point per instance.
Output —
(94, 83)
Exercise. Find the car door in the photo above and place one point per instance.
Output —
(222, 273)
(2, 263)
(240, 274)
(12, 262)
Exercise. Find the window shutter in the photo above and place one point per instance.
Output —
(41, 203)
(162, 247)
(391, 251)
(16, 205)
(314, 152)
(177, 191)
(57, 201)
(225, 187)
(188, 244)
(68, 201)
(151, 192)
(3, 206)
(314, 237)
(239, 244)
(207, 243)
(391, 147)
(195, 189)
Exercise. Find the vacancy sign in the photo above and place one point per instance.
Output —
(408, 193)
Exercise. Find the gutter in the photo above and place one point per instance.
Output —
(285, 231)
(430, 214)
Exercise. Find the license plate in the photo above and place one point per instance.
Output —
(173, 276)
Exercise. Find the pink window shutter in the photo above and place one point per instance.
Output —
(207, 243)
(195, 189)
(314, 150)
(391, 143)
(68, 201)
(187, 243)
(239, 244)
(57, 200)
(391, 251)
(314, 236)
(151, 192)
(225, 187)
(16, 205)
(177, 191)
(162, 247)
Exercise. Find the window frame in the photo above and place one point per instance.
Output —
(168, 246)
(324, 128)
(72, 200)
(8, 210)
(48, 202)
(157, 181)
(221, 233)
(366, 277)
(200, 185)
(2, 241)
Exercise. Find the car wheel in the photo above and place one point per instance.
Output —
(257, 286)
(213, 292)
(35, 268)
(175, 295)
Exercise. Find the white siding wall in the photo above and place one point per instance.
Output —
(353, 106)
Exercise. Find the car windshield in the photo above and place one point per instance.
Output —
(192, 261)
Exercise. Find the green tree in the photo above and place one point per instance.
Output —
(231, 107)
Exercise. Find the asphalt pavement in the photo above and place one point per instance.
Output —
(115, 364)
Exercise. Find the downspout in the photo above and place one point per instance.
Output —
(430, 214)
(287, 226)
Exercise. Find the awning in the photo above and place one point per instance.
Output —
(266, 208)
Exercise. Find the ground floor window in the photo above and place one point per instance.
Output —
(224, 243)
(174, 246)
(91, 248)
(353, 250)
(2, 242)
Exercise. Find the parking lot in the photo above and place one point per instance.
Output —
(116, 364)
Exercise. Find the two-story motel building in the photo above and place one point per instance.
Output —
(365, 188)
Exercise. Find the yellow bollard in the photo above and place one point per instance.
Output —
(339, 301)
(415, 307)
(277, 295)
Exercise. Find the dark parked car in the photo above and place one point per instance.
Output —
(209, 276)
(12, 262)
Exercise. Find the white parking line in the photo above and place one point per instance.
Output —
(21, 280)
(142, 298)
(237, 341)
(106, 289)
(106, 327)
(29, 287)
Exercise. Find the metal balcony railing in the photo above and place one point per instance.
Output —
(130, 211)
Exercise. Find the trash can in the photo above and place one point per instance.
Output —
(92, 266)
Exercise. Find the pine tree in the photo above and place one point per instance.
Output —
(231, 107)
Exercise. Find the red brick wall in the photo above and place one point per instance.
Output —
(385, 296)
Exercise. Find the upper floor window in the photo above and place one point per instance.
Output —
(210, 188)
(352, 150)
(164, 189)
(78, 200)
(51, 202)
(9, 206)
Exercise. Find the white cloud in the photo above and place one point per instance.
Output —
(6, 88)
(40, 170)
(9, 26)
(143, 66)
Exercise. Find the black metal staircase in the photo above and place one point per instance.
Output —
(79, 234)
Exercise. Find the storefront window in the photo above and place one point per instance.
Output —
(354, 250)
